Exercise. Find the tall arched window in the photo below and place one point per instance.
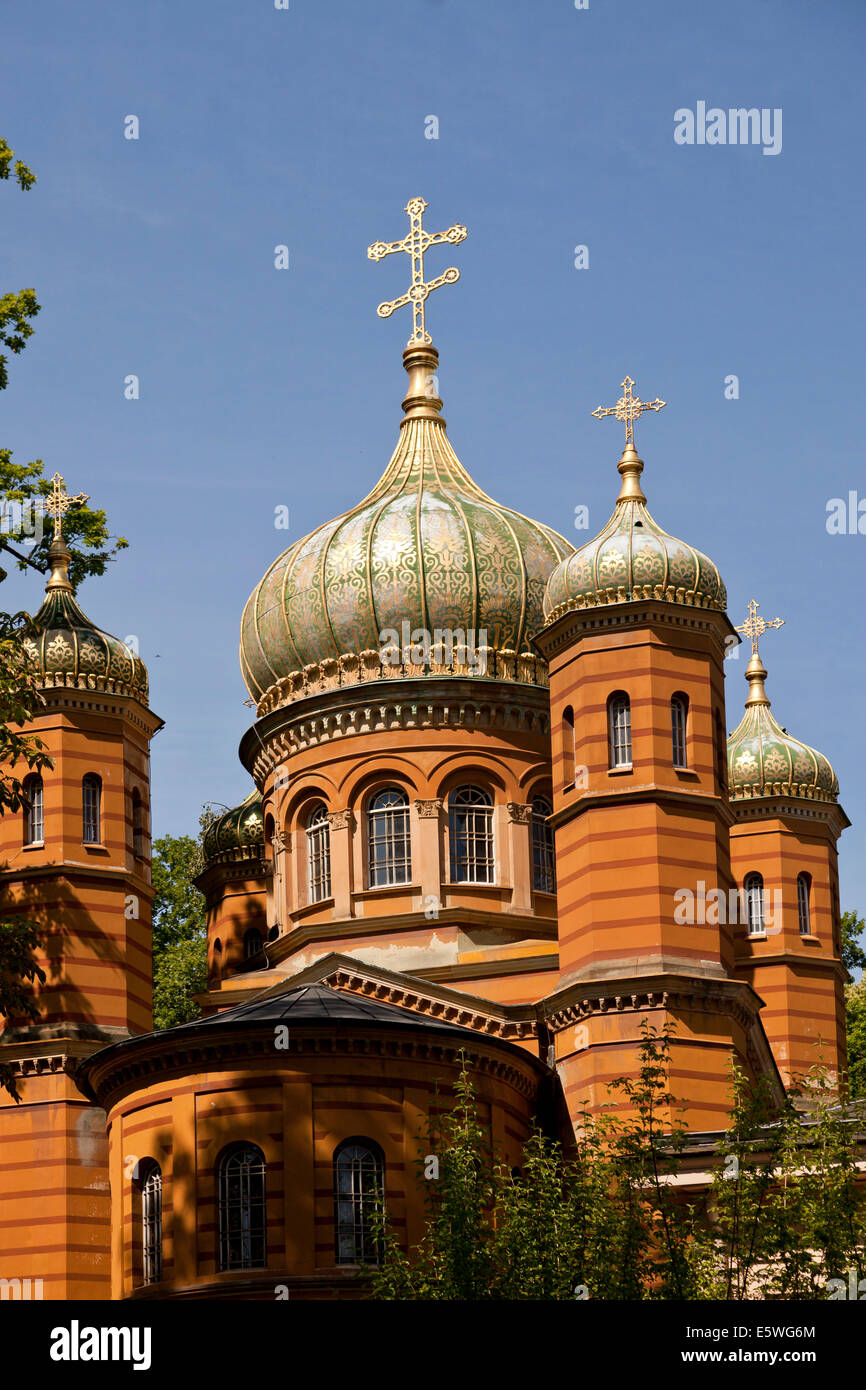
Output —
(33, 809)
(359, 1183)
(619, 729)
(242, 1207)
(804, 893)
(679, 727)
(252, 942)
(543, 860)
(753, 887)
(138, 845)
(319, 853)
(568, 758)
(470, 835)
(150, 1186)
(91, 809)
(389, 854)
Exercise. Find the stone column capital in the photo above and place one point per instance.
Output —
(519, 813)
(340, 820)
(429, 810)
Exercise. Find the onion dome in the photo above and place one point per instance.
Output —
(764, 760)
(426, 551)
(68, 650)
(236, 834)
(633, 558)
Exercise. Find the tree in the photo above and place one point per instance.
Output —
(855, 1024)
(179, 931)
(86, 534)
(853, 955)
(782, 1217)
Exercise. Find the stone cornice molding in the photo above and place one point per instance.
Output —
(431, 1005)
(648, 791)
(57, 693)
(782, 806)
(567, 624)
(449, 704)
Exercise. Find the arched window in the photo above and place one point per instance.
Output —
(150, 1186)
(619, 729)
(679, 727)
(804, 893)
(33, 809)
(543, 861)
(389, 853)
(138, 847)
(319, 853)
(568, 758)
(359, 1183)
(252, 942)
(470, 835)
(91, 809)
(242, 1207)
(753, 887)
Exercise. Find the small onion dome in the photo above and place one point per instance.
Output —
(633, 558)
(763, 760)
(425, 551)
(68, 650)
(236, 834)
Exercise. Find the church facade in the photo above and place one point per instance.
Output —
(494, 814)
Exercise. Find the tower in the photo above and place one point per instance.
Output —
(635, 640)
(784, 796)
(76, 861)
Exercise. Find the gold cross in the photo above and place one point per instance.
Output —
(755, 626)
(628, 408)
(415, 244)
(58, 502)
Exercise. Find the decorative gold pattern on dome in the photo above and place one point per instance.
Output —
(426, 548)
(416, 243)
(68, 650)
(237, 834)
(764, 760)
(632, 558)
(628, 409)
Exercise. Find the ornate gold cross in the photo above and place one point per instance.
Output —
(58, 502)
(415, 244)
(755, 626)
(628, 409)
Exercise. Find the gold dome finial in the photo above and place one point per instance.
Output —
(754, 627)
(628, 409)
(56, 504)
(415, 244)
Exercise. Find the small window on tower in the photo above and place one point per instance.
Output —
(619, 729)
(138, 845)
(679, 728)
(804, 893)
(753, 888)
(33, 809)
(91, 809)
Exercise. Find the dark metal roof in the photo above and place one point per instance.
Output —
(318, 1004)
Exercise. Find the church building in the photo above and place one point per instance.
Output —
(494, 814)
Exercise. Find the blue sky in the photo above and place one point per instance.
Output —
(261, 388)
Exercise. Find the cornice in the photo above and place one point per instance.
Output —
(779, 805)
(465, 703)
(65, 690)
(567, 624)
(648, 791)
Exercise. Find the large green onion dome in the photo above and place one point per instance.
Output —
(426, 548)
(236, 834)
(764, 760)
(633, 558)
(69, 650)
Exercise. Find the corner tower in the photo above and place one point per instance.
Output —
(787, 821)
(635, 641)
(76, 862)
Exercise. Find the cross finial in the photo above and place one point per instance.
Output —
(415, 243)
(628, 408)
(755, 626)
(58, 502)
